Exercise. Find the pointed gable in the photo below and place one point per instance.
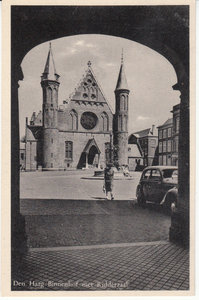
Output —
(88, 88)
(91, 143)
(36, 120)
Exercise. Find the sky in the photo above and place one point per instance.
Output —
(150, 76)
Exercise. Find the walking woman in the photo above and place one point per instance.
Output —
(108, 180)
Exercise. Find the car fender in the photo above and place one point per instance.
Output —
(173, 192)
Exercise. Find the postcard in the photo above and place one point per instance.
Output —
(98, 148)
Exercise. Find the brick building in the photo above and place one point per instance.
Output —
(176, 124)
(147, 140)
(165, 142)
(168, 137)
(81, 132)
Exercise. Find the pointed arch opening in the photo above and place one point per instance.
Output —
(73, 120)
(50, 94)
(104, 122)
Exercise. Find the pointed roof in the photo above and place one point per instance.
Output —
(134, 151)
(89, 89)
(122, 82)
(142, 133)
(49, 69)
(168, 122)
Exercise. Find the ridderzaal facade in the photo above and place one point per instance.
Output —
(82, 132)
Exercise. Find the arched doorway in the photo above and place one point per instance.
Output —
(90, 156)
(93, 157)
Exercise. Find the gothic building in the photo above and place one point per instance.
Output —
(83, 130)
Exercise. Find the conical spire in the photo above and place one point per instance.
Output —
(49, 70)
(122, 82)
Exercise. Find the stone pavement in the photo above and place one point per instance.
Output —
(94, 244)
(139, 266)
(74, 185)
(54, 223)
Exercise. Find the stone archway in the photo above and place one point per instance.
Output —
(93, 157)
(168, 34)
(90, 156)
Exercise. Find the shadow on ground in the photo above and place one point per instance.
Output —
(54, 223)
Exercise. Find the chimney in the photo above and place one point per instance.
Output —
(152, 129)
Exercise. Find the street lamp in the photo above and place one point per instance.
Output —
(111, 148)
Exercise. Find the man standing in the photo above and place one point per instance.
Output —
(108, 180)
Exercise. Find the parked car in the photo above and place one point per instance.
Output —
(158, 184)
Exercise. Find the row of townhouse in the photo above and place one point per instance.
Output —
(159, 146)
(168, 137)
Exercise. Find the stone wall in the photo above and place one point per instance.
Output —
(79, 141)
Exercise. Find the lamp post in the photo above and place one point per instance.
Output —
(111, 148)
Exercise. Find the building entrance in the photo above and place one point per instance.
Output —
(93, 157)
(90, 157)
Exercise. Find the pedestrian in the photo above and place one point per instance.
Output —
(108, 180)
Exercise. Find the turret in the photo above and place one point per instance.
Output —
(121, 118)
(50, 85)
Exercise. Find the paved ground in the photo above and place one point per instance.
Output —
(73, 185)
(67, 223)
(112, 245)
(158, 266)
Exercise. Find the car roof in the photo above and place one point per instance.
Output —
(161, 167)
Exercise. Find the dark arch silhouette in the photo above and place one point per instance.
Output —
(91, 155)
(164, 29)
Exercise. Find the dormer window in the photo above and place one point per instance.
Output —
(93, 96)
(89, 80)
(85, 83)
(93, 84)
(85, 95)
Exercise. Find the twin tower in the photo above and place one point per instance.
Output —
(51, 120)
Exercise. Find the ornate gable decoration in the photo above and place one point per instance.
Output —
(88, 88)
(91, 143)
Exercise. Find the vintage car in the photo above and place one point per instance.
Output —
(158, 184)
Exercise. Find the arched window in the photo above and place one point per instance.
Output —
(126, 103)
(104, 121)
(50, 94)
(54, 94)
(122, 101)
(73, 120)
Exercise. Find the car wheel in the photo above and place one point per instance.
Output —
(169, 201)
(140, 199)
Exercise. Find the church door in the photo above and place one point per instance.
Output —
(93, 157)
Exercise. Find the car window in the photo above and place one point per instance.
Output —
(170, 173)
(155, 174)
(146, 174)
(175, 173)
